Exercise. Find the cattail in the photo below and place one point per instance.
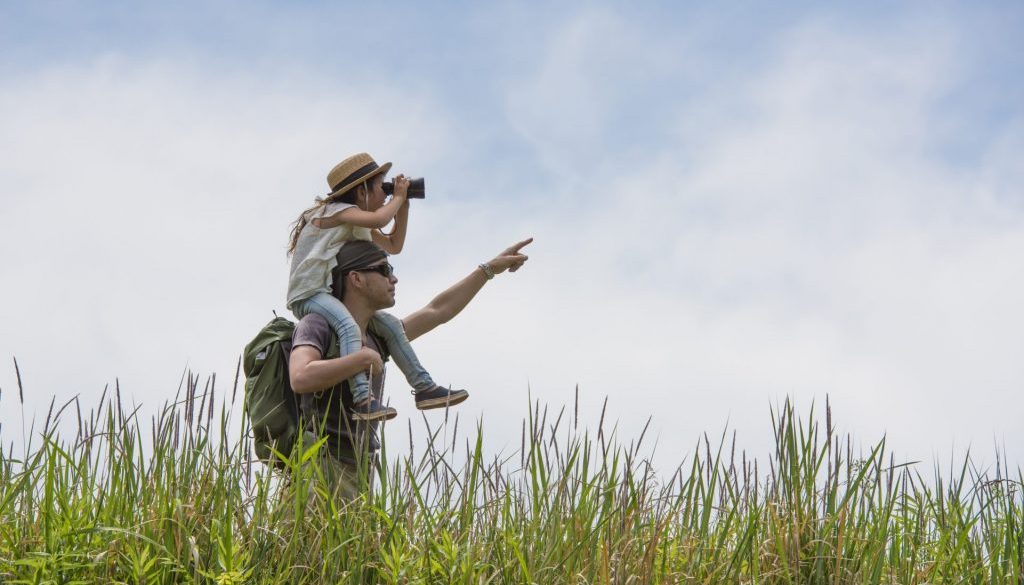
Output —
(17, 372)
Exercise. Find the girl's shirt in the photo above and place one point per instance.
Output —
(315, 253)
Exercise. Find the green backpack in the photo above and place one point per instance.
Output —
(272, 407)
(270, 403)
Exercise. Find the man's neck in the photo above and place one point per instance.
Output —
(360, 311)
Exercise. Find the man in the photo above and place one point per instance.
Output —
(364, 281)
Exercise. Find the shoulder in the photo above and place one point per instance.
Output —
(312, 330)
(335, 207)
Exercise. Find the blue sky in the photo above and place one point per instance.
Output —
(732, 204)
(470, 54)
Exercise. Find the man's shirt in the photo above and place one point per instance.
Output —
(327, 413)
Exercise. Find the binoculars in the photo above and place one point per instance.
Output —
(417, 190)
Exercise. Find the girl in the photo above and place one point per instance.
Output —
(355, 209)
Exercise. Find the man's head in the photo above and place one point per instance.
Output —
(363, 270)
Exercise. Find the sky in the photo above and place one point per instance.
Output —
(732, 205)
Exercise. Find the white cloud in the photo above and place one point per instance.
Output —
(801, 238)
(795, 234)
(146, 211)
(593, 68)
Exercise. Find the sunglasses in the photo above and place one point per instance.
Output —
(385, 269)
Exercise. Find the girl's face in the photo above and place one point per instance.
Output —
(375, 198)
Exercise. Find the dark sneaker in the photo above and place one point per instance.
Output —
(372, 410)
(439, 397)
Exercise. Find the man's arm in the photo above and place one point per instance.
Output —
(451, 302)
(308, 372)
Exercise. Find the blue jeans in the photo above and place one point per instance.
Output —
(350, 340)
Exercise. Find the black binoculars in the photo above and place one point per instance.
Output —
(417, 190)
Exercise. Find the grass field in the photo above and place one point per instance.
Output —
(178, 500)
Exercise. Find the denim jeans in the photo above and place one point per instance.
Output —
(390, 329)
(350, 340)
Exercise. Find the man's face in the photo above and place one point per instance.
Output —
(378, 288)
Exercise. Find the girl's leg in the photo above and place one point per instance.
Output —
(350, 338)
(390, 328)
(428, 394)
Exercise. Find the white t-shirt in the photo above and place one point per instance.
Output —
(314, 256)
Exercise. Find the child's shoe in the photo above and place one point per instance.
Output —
(372, 410)
(439, 397)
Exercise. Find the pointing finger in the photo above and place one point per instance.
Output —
(518, 246)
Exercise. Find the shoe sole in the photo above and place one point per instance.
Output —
(386, 415)
(431, 403)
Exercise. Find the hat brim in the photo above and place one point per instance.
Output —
(341, 190)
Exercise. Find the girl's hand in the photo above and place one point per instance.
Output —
(401, 187)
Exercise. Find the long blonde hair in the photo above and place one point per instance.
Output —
(321, 202)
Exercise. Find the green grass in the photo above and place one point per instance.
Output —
(177, 499)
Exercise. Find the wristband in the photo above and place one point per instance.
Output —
(487, 270)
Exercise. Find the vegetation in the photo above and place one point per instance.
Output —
(181, 502)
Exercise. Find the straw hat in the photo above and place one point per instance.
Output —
(353, 171)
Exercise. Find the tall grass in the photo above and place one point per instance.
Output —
(179, 500)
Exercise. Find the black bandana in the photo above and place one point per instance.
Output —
(354, 255)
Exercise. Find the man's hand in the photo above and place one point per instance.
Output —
(451, 302)
(510, 258)
(370, 360)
